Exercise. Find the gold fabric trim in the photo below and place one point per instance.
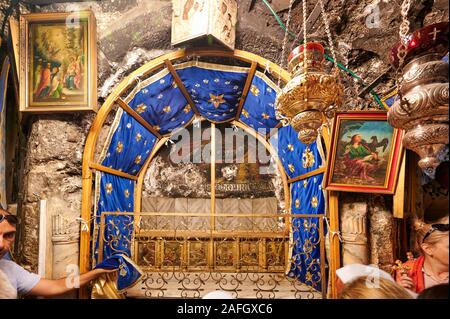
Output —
(112, 130)
(266, 79)
(95, 225)
(105, 287)
(141, 84)
(212, 66)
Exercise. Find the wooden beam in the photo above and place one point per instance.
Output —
(213, 176)
(112, 171)
(317, 171)
(272, 132)
(124, 105)
(335, 250)
(248, 82)
(323, 257)
(218, 215)
(398, 209)
(272, 152)
(181, 86)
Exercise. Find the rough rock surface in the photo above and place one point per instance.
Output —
(381, 234)
(132, 32)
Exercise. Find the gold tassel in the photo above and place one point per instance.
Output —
(105, 287)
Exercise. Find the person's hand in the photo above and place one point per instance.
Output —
(106, 271)
(406, 282)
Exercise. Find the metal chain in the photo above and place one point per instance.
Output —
(297, 37)
(283, 50)
(305, 43)
(401, 52)
(403, 32)
(328, 32)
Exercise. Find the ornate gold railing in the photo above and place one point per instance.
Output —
(186, 254)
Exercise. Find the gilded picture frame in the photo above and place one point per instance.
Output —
(365, 153)
(58, 62)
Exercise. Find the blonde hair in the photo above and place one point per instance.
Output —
(422, 229)
(386, 289)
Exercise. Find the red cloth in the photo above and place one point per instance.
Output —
(45, 81)
(415, 273)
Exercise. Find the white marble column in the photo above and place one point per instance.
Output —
(354, 231)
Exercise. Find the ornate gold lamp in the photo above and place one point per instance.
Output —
(422, 108)
(312, 94)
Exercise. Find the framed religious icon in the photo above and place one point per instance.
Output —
(365, 153)
(58, 62)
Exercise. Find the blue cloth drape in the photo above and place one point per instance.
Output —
(116, 194)
(307, 198)
(296, 157)
(259, 111)
(128, 272)
(216, 94)
(162, 104)
(130, 146)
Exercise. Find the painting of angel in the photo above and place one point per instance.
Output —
(365, 153)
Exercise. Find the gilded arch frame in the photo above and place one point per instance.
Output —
(89, 166)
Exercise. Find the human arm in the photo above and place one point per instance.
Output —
(52, 288)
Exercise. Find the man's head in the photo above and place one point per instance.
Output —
(7, 231)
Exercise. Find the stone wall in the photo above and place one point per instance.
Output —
(132, 32)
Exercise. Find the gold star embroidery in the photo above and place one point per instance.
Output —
(297, 203)
(290, 147)
(119, 147)
(187, 109)
(127, 193)
(156, 127)
(305, 183)
(314, 202)
(216, 100)
(308, 159)
(138, 159)
(109, 188)
(174, 84)
(254, 90)
(291, 168)
(138, 137)
(245, 113)
(141, 108)
(265, 116)
(309, 276)
(167, 109)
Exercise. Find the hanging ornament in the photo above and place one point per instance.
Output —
(312, 93)
(423, 86)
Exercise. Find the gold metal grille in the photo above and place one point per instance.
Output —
(182, 255)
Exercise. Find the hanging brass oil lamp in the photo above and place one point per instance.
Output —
(423, 88)
(311, 95)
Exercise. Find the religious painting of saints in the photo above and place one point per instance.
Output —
(58, 62)
(365, 153)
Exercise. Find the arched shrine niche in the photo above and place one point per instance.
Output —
(199, 223)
